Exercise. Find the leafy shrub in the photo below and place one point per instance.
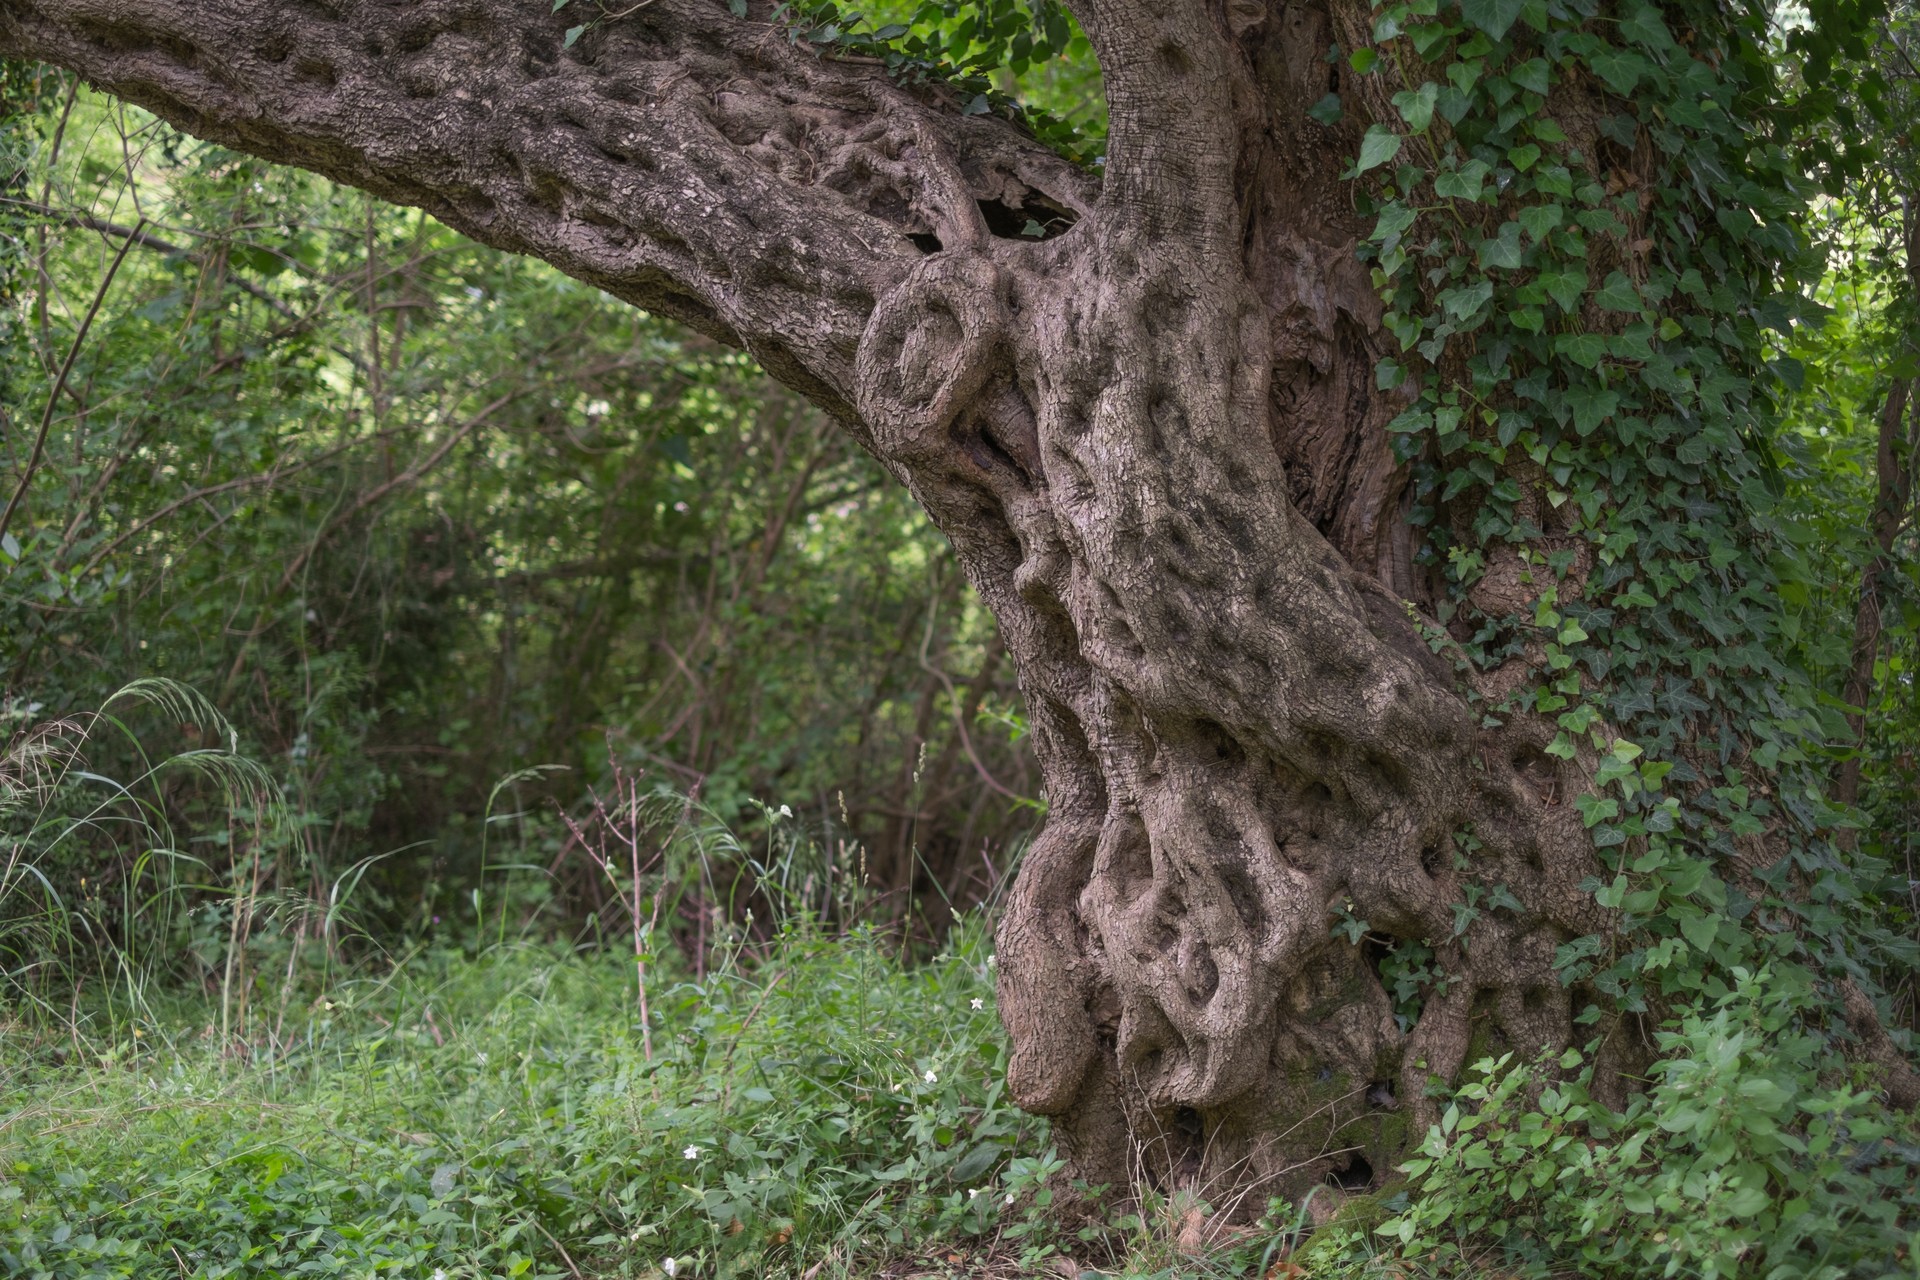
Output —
(1752, 1154)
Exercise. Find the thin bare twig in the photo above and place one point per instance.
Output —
(60, 383)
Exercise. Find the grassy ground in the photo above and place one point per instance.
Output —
(499, 1115)
(820, 1109)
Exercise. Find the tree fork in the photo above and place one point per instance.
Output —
(1153, 439)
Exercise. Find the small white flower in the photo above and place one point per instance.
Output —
(894, 1087)
(438, 1274)
(992, 960)
(691, 1153)
(785, 812)
(670, 1265)
(930, 1077)
(978, 1003)
(973, 1193)
(1009, 1197)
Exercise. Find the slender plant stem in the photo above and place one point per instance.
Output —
(60, 383)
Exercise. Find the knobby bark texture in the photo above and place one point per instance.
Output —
(1152, 437)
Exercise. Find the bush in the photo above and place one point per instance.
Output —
(1752, 1154)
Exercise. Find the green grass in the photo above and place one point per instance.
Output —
(497, 1116)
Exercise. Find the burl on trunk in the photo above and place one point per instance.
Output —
(1154, 442)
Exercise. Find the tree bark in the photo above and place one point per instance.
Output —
(1153, 440)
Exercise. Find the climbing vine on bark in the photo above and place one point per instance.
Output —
(1590, 299)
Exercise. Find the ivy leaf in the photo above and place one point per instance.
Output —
(1463, 183)
(1416, 105)
(1495, 17)
(1584, 349)
(1464, 301)
(1327, 110)
(1379, 146)
(1564, 287)
(573, 34)
(1618, 294)
(1644, 27)
(1620, 69)
(1539, 219)
(1591, 408)
(1532, 75)
(1523, 157)
(1394, 219)
(1503, 250)
(1465, 75)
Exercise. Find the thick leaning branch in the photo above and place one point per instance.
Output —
(684, 160)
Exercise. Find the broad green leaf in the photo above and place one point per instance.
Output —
(1502, 251)
(1379, 146)
(1620, 69)
(1532, 75)
(1495, 17)
(1416, 105)
(1462, 302)
(1464, 183)
(1584, 349)
(1644, 28)
(1539, 219)
(1394, 219)
(1564, 287)
(573, 34)
(1523, 157)
(1591, 408)
(1618, 294)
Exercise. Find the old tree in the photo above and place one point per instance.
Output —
(1157, 435)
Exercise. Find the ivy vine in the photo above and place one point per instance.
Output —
(1588, 243)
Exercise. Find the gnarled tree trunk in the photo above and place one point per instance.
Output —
(1152, 436)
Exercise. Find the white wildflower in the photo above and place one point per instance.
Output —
(930, 1077)
(978, 1003)
(691, 1153)
(670, 1265)
(992, 960)
(973, 1193)
(1009, 1197)
(785, 812)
